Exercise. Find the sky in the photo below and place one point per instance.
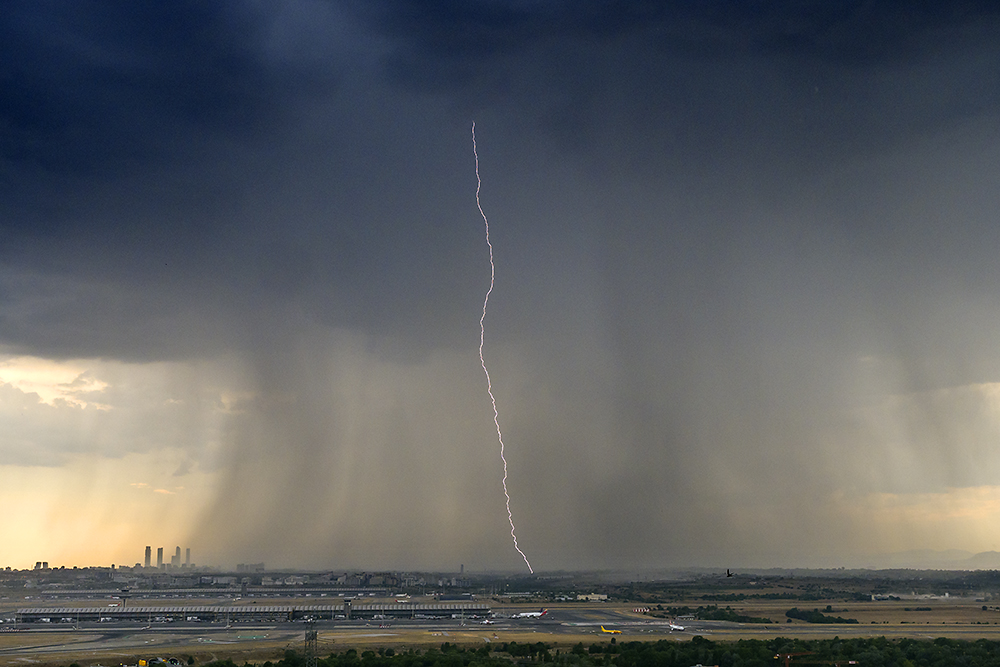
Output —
(745, 311)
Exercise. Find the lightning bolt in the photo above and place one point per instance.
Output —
(482, 359)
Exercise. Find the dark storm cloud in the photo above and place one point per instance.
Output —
(130, 135)
(852, 32)
(110, 86)
(791, 81)
(171, 148)
(134, 144)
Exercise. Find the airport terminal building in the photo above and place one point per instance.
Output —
(249, 612)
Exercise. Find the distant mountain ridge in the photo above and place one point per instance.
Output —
(985, 560)
(928, 559)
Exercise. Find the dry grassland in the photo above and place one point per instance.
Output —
(922, 612)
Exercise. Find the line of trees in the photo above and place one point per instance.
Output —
(871, 652)
(709, 613)
(816, 616)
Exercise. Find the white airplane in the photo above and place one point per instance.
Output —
(487, 621)
(674, 626)
(531, 614)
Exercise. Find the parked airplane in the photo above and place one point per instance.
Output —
(531, 614)
(611, 632)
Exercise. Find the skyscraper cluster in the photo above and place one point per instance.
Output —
(175, 560)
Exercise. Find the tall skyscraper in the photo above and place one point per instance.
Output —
(159, 558)
(148, 556)
(187, 557)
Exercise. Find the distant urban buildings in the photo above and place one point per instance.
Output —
(250, 567)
